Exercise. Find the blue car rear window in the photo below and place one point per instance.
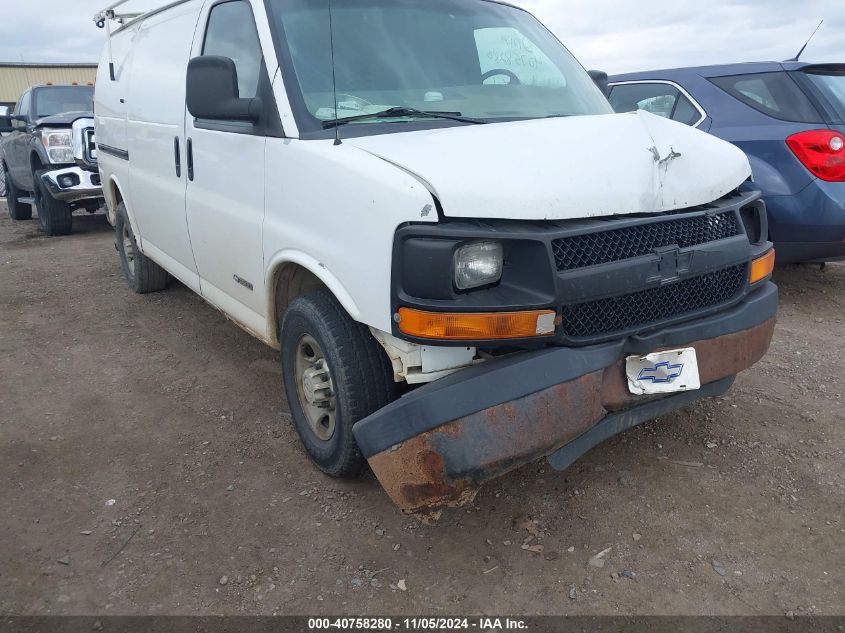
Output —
(774, 94)
(832, 87)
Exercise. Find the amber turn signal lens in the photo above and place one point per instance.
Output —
(762, 267)
(452, 326)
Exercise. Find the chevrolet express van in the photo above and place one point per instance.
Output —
(465, 258)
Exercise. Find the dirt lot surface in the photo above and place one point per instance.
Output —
(148, 466)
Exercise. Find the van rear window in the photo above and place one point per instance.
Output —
(774, 94)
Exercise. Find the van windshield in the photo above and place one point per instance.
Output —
(470, 58)
(59, 99)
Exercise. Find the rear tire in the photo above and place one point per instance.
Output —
(333, 361)
(54, 216)
(142, 274)
(17, 210)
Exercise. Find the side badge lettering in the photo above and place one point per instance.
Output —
(243, 282)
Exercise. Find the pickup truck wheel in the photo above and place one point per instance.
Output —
(142, 274)
(334, 374)
(54, 216)
(17, 210)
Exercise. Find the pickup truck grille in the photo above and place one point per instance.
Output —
(589, 249)
(90, 146)
(655, 305)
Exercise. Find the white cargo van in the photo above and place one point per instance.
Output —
(467, 260)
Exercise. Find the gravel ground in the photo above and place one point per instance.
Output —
(148, 466)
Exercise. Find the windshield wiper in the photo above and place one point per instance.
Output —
(400, 112)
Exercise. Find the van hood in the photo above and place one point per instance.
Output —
(563, 168)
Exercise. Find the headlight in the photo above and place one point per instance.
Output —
(478, 264)
(59, 145)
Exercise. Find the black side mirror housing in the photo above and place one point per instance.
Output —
(599, 77)
(212, 91)
(6, 124)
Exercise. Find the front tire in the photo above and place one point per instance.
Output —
(142, 274)
(54, 216)
(17, 210)
(334, 374)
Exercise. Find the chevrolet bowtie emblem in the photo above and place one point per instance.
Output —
(664, 372)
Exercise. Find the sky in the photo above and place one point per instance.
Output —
(612, 35)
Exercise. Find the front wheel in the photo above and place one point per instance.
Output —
(54, 216)
(335, 374)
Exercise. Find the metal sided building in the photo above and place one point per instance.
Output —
(15, 77)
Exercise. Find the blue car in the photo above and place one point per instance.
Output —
(788, 117)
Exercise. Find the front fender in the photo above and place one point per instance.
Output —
(316, 268)
(37, 156)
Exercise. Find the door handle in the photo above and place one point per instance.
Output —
(190, 150)
(178, 157)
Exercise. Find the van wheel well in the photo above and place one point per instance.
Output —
(116, 195)
(116, 198)
(291, 281)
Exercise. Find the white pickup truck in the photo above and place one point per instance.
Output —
(467, 260)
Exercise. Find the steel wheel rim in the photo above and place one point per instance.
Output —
(128, 250)
(315, 388)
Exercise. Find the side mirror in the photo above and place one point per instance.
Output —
(212, 91)
(6, 124)
(599, 77)
(19, 121)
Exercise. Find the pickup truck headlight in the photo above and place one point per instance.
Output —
(478, 264)
(59, 145)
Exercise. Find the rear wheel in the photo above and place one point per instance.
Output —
(54, 216)
(17, 210)
(335, 374)
(142, 274)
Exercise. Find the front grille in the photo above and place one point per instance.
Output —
(589, 249)
(90, 146)
(655, 305)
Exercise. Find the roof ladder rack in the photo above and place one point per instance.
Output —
(105, 17)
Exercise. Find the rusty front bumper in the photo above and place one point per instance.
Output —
(438, 444)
